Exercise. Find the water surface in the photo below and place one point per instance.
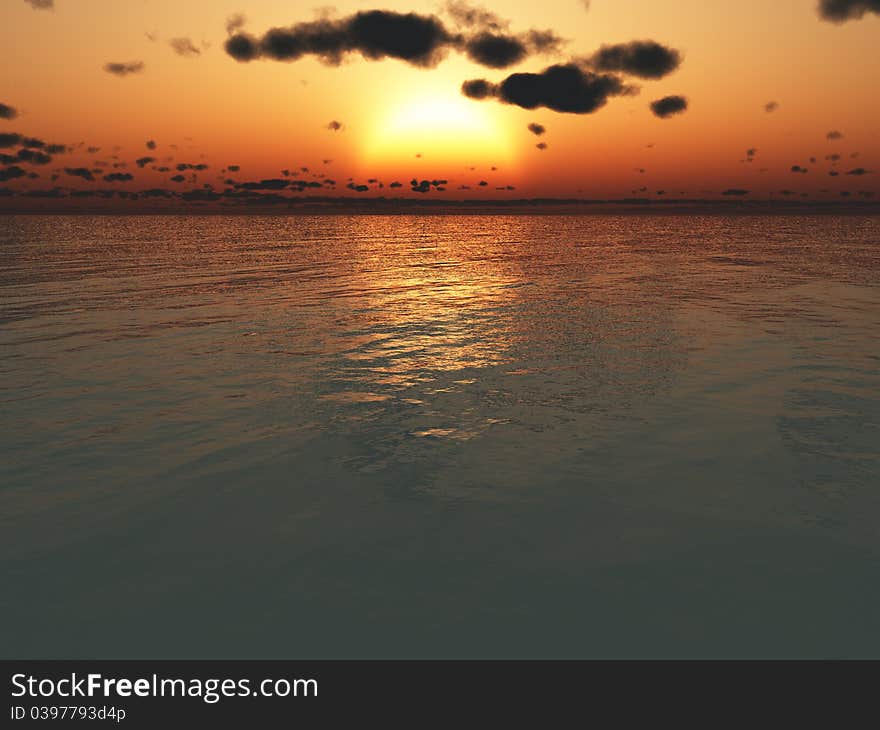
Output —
(440, 436)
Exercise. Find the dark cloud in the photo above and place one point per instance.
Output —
(34, 157)
(41, 4)
(8, 112)
(118, 177)
(56, 149)
(563, 88)
(188, 166)
(800, 170)
(151, 144)
(11, 173)
(541, 146)
(144, 161)
(834, 134)
(646, 59)
(735, 192)
(499, 50)
(669, 105)
(536, 128)
(124, 69)
(82, 172)
(234, 168)
(178, 178)
(335, 126)
(771, 106)
(417, 39)
(859, 171)
(421, 40)
(184, 47)
(839, 11)
(9, 139)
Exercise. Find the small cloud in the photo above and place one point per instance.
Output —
(8, 112)
(151, 144)
(859, 171)
(668, 106)
(235, 22)
(184, 47)
(124, 69)
(799, 170)
(541, 146)
(41, 4)
(335, 126)
(834, 134)
(771, 106)
(537, 129)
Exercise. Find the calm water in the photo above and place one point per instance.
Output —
(440, 436)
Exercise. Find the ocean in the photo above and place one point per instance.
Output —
(440, 436)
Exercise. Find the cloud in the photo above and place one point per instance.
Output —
(235, 22)
(859, 171)
(144, 161)
(9, 139)
(470, 16)
(541, 146)
(34, 157)
(124, 69)
(420, 40)
(563, 88)
(771, 106)
(646, 59)
(8, 112)
(536, 128)
(118, 177)
(799, 169)
(184, 47)
(730, 192)
(669, 105)
(82, 172)
(834, 134)
(41, 4)
(11, 173)
(335, 126)
(839, 11)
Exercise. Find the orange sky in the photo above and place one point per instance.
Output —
(267, 116)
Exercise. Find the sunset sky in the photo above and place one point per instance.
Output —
(115, 74)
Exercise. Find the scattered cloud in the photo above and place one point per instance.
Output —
(645, 59)
(184, 47)
(335, 126)
(124, 69)
(420, 40)
(537, 129)
(840, 11)
(8, 112)
(562, 87)
(668, 106)
(771, 106)
(834, 134)
(41, 4)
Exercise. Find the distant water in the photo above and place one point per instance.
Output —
(440, 436)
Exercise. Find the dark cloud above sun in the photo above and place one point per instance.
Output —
(562, 88)
(417, 39)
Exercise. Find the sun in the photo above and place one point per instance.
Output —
(445, 128)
